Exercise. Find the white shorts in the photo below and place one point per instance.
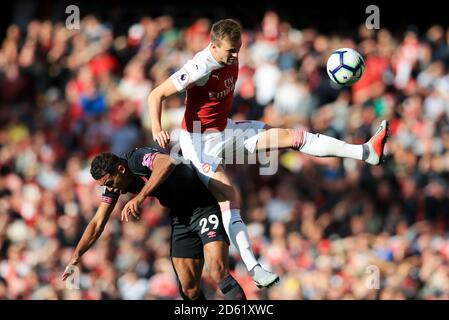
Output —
(207, 150)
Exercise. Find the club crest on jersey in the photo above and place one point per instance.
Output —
(206, 167)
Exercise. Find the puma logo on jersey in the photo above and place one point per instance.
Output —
(215, 76)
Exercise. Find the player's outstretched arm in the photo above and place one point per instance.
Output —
(91, 234)
(163, 165)
(159, 94)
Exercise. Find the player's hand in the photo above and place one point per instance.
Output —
(162, 138)
(68, 271)
(132, 208)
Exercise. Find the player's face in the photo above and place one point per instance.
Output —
(226, 52)
(117, 181)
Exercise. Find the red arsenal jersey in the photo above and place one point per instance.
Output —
(209, 90)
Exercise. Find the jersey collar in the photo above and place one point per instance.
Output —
(215, 63)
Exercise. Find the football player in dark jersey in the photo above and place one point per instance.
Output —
(198, 235)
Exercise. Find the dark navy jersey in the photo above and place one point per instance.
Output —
(182, 190)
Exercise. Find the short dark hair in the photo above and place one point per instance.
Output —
(225, 28)
(104, 163)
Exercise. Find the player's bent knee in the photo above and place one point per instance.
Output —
(289, 137)
(289, 132)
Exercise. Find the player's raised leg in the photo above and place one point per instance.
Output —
(229, 200)
(320, 145)
(212, 174)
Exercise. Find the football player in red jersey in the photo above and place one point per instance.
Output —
(209, 80)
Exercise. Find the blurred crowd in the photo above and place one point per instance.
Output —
(331, 228)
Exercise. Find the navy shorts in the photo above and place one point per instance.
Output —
(191, 232)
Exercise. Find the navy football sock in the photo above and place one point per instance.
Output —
(231, 289)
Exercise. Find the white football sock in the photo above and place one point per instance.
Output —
(238, 235)
(320, 145)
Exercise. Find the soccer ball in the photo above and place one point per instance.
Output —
(345, 66)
